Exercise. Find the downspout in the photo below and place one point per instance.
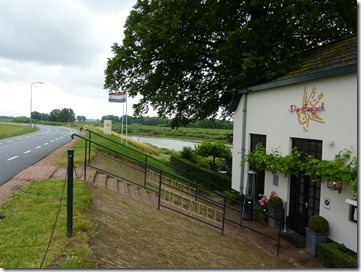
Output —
(243, 146)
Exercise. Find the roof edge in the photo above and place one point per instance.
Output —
(346, 69)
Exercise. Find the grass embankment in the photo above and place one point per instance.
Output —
(137, 235)
(140, 235)
(28, 223)
(7, 131)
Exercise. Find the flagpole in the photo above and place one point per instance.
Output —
(121, 138)
(126, 118)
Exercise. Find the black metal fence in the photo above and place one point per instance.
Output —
(174, 192)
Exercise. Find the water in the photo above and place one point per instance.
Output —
(164, 142)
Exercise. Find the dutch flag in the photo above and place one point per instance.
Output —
(119, 97)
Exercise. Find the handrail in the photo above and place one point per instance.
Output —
(144, 163)
(161, 171)
(159, 161)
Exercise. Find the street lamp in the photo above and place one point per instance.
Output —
(31, 98)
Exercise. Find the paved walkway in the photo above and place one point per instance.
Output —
(45, 169)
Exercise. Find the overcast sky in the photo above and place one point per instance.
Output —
(65, 44)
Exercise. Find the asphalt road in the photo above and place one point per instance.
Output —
(19, 152)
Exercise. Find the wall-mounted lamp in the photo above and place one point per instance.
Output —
(335, 185)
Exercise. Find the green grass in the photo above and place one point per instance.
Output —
(179, 133)
(139, 235)
(152, 152)
(28, 223)
(7, 131)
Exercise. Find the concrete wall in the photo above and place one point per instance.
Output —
(268, 113)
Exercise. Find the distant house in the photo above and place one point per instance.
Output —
(325, 91)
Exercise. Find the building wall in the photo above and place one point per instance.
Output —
(268, 113)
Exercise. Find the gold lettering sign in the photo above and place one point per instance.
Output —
(309, 111)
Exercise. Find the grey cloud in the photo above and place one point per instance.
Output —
(47, 32)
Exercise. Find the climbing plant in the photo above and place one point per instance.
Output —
(342, 169)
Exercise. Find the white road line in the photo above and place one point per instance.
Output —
(52, 141)
(12, 158)
(38, 147)
(46, 143)
(27, 151)
(10, 141)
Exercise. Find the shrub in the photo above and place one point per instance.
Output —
(335, 255)
(211, 180)
(188, 154)
(233, 196)
(318, 224)
(275, 203)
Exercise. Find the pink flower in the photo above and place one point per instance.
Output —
(263, 200)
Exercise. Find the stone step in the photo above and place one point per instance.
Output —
(100, 180)
(112, 184)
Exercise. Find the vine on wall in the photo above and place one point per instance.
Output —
(342, 169)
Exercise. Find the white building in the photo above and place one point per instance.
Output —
(327, 81)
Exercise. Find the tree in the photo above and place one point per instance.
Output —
(81, 118)
(66, 115)
(113, 118)
(214, 150)
(54, 115)
(187, 57)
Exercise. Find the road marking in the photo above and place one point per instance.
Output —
(27, 151)
(10, 141)
(38, 147)
(46, 143)
(52, 141)
(12, 158)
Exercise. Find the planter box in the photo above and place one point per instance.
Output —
(275, 218)
(313, 239)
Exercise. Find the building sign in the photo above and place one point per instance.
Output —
(310, 108)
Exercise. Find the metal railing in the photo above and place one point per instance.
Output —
(163, 176)
(148, 159)
(192, 203)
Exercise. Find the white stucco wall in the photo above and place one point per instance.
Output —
(268, 114)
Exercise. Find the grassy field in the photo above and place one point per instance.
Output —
(185, 133)
(10, 130)
(28, 223)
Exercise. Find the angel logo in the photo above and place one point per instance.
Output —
(309, 111)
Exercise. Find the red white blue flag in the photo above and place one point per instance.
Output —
(119, 97)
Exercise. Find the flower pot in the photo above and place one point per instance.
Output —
(313, 239)
(275, 218)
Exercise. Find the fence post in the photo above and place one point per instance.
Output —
(69, 224)
(160, 189)
(224, 213)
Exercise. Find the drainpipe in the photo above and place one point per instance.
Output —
(243, 147)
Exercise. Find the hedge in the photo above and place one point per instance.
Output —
(335, 255)
(212, 180)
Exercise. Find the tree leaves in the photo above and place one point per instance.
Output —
(187, 57)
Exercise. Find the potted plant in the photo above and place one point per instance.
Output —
(275, 211)
(316, 232)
